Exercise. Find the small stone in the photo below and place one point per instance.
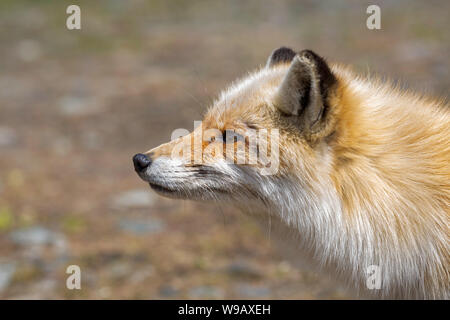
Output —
(29, 50)
(38, 236)
(205, 292)
(244, 269)
(252, 291)
(142, 226)
(74, 105)
(121, 270)
(7, 271)
(8, 137)
(141, 275)
(168, 291)
(140, 198)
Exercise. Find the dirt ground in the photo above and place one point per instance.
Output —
(75, 106)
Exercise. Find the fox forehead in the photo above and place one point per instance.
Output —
(247, 99)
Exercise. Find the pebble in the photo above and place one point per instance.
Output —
(244, 269)
(7, 271)
(121, 270)
(38, 236)
(140, 198)
(29, 50)
(141, 275)
(252, 291)
(204, 292)
(74, 105)
(168, 291)
(142, 226)
(8, 137)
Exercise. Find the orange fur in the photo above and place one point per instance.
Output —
(370, 186)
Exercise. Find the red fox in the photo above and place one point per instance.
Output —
(359, 170)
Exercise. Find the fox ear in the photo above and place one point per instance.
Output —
(280, 55)
(305, 89)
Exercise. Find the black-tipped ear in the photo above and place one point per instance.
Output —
(326, 77)
(280, 55)
(305, 89)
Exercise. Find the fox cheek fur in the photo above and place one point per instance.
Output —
(363, 176)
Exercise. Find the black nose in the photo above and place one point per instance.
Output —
(141, 161)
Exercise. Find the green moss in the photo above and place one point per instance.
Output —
(6, 219)
(74, 224)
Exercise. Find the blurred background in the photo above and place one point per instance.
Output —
(75, 106)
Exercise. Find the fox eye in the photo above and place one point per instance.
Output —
(223, 137)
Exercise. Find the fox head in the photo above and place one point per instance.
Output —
(264, 132)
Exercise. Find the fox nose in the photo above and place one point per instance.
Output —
(141, 162)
